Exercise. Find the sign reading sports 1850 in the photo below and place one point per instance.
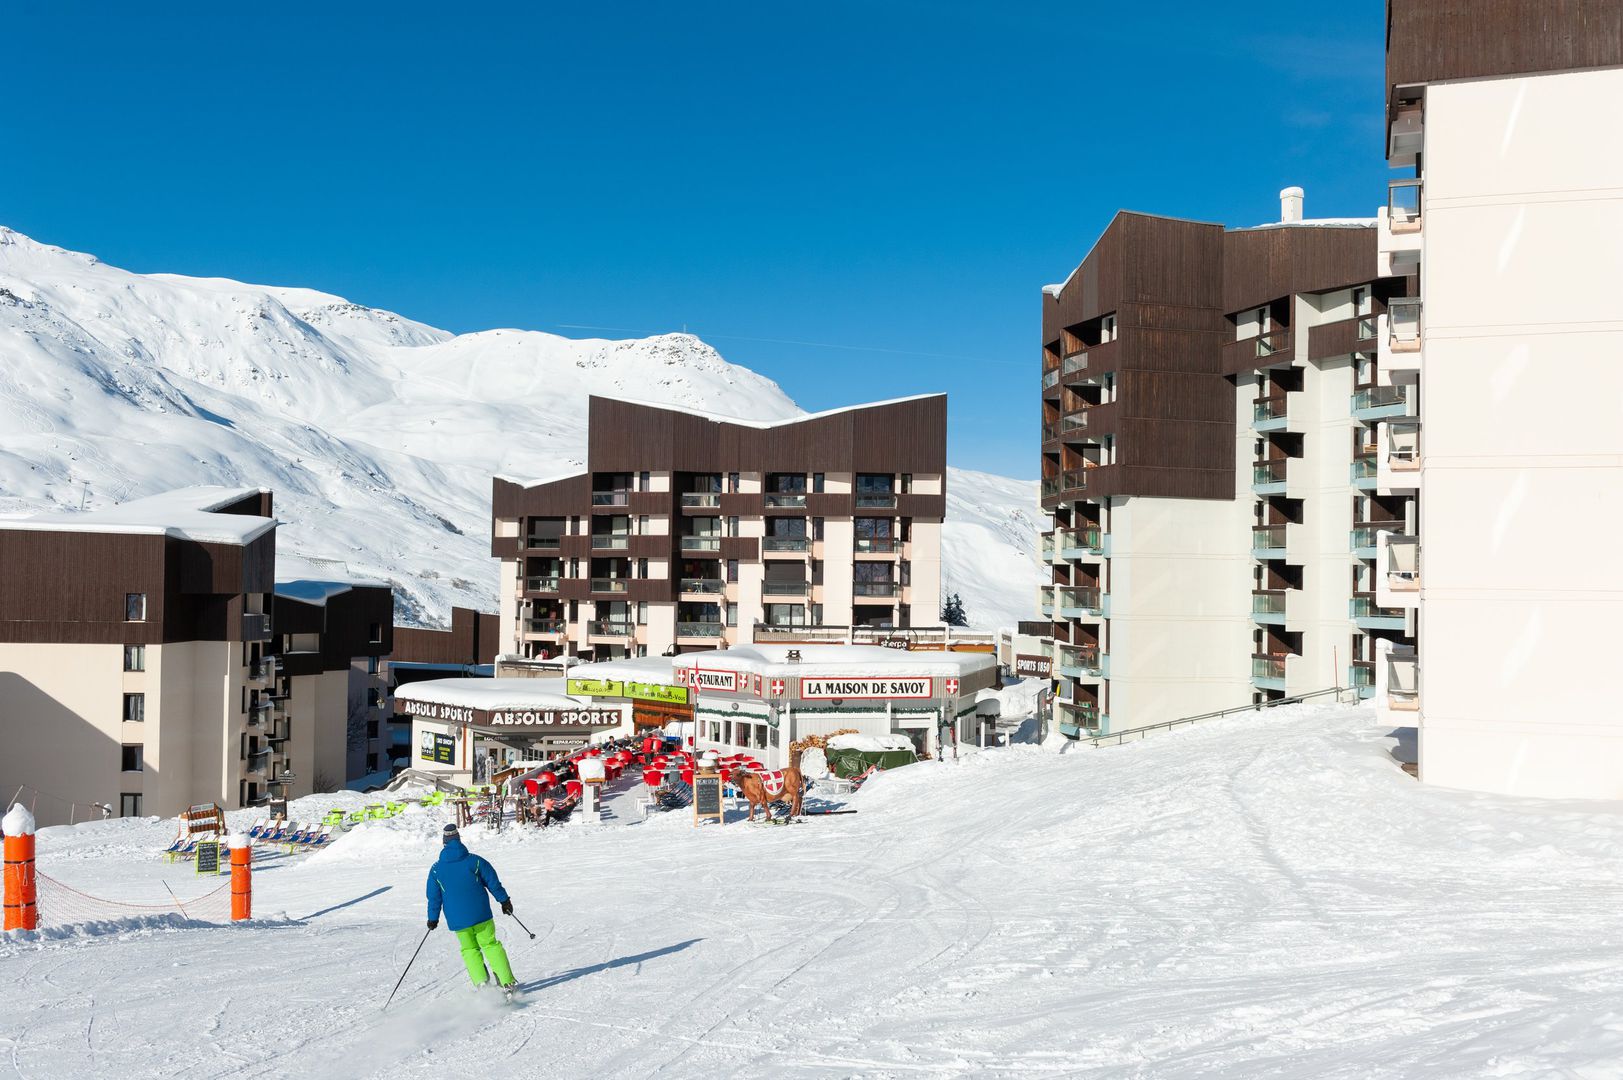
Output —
(820, 689)
(1033, 667)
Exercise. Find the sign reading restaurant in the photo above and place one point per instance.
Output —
(825, 689)
(708, 679)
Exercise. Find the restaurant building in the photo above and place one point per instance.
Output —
(685, 532)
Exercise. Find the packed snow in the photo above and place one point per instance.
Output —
(378, 435)
(1263, 896)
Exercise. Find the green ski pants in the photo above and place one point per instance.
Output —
(479, 948)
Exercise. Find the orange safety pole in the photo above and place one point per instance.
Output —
(242, 879)
(21, 893)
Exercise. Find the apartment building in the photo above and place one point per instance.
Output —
(685, 531)
(1207, 401)
(330, 703)
(466, 649)
(1506, 223)
(134, 659)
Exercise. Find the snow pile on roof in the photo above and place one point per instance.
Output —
(1311, 223)
(838, 660)
(18, 821)
(870, 744)
(487, 694)
(764, 425)
(185, 514)
(315, 581)
(646, 669)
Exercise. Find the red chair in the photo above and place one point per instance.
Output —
(653, 778)
(573, 787)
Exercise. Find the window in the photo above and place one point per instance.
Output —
(732, 526)
(907, 482)
(643, 481)
(129, 805)
(732, 614)
(375, 633)
(1107, 329)
(373, 698)
(1262, 320)
(135, 607)
(135, 658)
(371, 732)
(732, 569)
(1360, 300)
(371, 763)
(732, 482)
(817, 528)
(371, 665)
(135, 708)
(642, 524)
(642, 568)
(642, 613)
(817, 483)
(132, 758)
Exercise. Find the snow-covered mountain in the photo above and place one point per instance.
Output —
(379, 435)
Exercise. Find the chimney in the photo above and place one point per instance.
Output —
(1290, 205)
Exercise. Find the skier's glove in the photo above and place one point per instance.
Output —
(432, 923)
(507, 907)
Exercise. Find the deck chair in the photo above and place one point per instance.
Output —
(322, 838)
(172, 852)
(274, 832)
(259, 829)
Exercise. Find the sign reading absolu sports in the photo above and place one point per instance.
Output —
(825, 689)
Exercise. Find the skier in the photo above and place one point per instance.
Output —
(459, 881)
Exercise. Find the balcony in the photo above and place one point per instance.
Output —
(876, 500)
(262, 669)
(701, 498)
(543, 583)
(610, 498)
(1399, 563)
(875, 588)
(1080, 662)
(785, 543)
(701, 543)
(1362, 540)
(1378, 402)
(1079, 543)
(1269, 477)
(1268, 606)
(1268, 671)
(259, 761)
(609, 584)
(876, 545)
(1366, 614)
(542, 542)
(701, 585)
(256, 627)
(1361, 677)
(698, 629)
(1268, 541)
(1045, 599)
(1402, 681)
(1080, 603)
(1050, 379)
(786, 500)
(784, 588)
(278, 733)
(1364, 471)
(611, 541)
(1399, 236)
(1402, 340)
(609, 628)
(1074, 363)
(1400, 455)
(259, 711)
(1268, 414)
(1069, 480)
(1406, 137)
(1045, 547)
(543, 627)
(1077, 717)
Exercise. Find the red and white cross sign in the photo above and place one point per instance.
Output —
(952, 687)
(777, 687)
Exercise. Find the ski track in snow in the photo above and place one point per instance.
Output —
(1266, 896)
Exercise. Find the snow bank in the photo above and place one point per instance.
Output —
(18, 821)
(870, 744)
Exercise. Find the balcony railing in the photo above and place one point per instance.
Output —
(1364, 533)
(1077, 421)
(1267, 409)
(1366, 327)
(786, 499)
(701, 543)
(1275, 341)
(259, 761)
(1364, 467)
(278, 732)
(1069, 480)
(611, 541)
(1075, 542)
(877, 545)
(1379, 397)
(1267, 667)
(1268, 602)
(610, 498)
(545, 583)
(262, 669)
(701, 498)
(1361, 674)
(874, 588)
(543, 626)
(1084, 600)
(1364, 607)
(1079, 661)
(785, 543)
(256, 627)
(698, 629)
(876, 500)
(1404, 323)
(1081, 713)
(609, 584)
(1268, 538)
(1403, 204)
(1045, 599)
(1269, 472)
(701, 585)
(610, 627)
(784, 588)
(542, 541)
(1050, 379)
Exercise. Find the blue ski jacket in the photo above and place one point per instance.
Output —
(459, 881)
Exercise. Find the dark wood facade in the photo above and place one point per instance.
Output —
(473, 639)
(355, 623)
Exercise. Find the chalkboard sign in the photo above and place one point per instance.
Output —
(208, 857)
(707, 797)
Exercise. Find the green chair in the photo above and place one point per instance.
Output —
(434, 798)
(356, 817)
(334, 817)
(392, 808)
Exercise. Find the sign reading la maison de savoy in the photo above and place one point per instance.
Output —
(822, 689)
(462, 714)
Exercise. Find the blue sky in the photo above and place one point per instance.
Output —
(860, 200)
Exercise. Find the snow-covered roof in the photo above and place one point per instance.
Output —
(315, 581)
(543, 481)
(186, 514)
(870, 744)
(487, 695)
(765, 425)
(838, 660)
(644, 669)
(1311, 223)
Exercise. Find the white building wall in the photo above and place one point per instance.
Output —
(1522, 477)
(926, 559)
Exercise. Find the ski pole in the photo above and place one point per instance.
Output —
(521, 925)
(410, 962)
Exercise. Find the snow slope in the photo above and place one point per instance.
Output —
(378, 434)
(1266, 896)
